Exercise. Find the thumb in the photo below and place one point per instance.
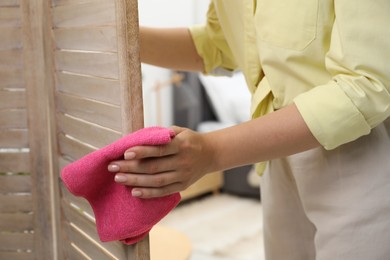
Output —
(177, 129)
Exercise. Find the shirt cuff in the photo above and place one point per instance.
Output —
(331, 116)
(211, 57)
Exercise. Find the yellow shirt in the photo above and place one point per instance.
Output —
(330, 57)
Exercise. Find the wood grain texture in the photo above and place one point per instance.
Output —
(63, 161)
(14, 138)
(13, 118)
(39, 79)
(68, 2)
(71, 251)
(86, 41)
(16, 222)
(17, 255)
(16, 241)
(72, 148)
(10, 16)
(11, 78)
(12, 58)
(87, 38)
(79, 202)
(98, 13)
(11, 203)
(15, 183)
(86, 132)
(89, 228)
(14, 162)
(11, 38)
(9, 3)
(98, 64)
(129, 65)
(92, 111)
(131, 88)
(12, 99)
(100, 89)
(84, 243)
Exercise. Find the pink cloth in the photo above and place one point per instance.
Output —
(119, 215)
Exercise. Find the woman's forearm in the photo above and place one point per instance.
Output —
(278, 134)
(171, 48)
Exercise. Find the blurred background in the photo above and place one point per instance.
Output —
(172, 13)
(221, 214)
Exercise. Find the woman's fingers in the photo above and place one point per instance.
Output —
(143, 166)
(150, 186)
(139, 152)
(177, 129)
(148, 193)
(146, 180)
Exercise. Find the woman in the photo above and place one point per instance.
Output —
(318, 72)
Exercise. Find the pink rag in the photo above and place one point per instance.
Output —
(119, 215)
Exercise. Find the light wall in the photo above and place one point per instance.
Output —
(165, 13)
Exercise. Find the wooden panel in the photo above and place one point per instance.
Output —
(11, 78)
(72, 251)
(89, 228)
(12, 203)
(10, 16)
(129, 65)
(86, 244)
(78, 201)
(89, 133)
(62, 162)
(73, 148)
(90, 38)
(16, 222)
(98, 13)
(11, 39)
(100, 89)
(16, 241)
(67, 2)
(12, 99)
(131, 87)
(13, 118)
(11, 58)
(17, 255)
(39, 68)
(14, 162)
(15, 183)
(9, 3)
(97, 64)
(14, 138)
(95, 112)
(104, 65)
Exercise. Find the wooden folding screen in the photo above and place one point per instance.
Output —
(70, 83)
(16, 201)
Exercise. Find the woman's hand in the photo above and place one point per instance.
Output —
(156, 171)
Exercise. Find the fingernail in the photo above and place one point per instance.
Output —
(129, 155)
(120, 178)
(136, 193)
(113, 168)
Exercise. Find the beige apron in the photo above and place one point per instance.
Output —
(330, 205)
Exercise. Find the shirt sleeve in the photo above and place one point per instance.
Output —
(357, 98)
(211, 45)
